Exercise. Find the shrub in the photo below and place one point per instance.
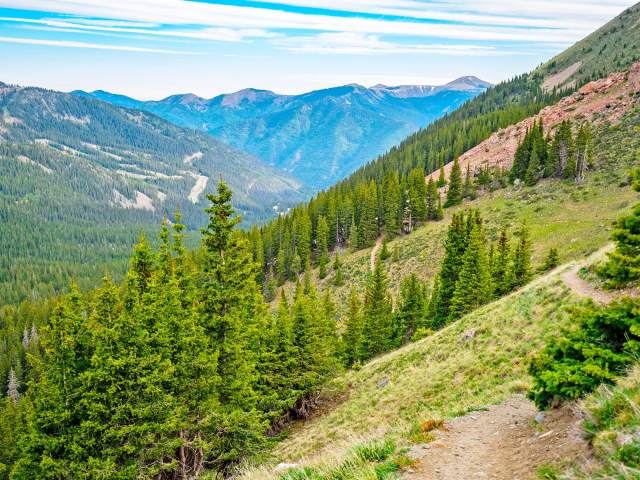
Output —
(605, 342)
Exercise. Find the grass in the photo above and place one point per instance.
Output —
(613, 426)
(439, 377)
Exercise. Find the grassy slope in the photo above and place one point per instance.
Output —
(574, 219)
(444, 375)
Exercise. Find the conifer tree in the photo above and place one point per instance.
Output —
(552, 260)
(338, 281)
(582, 152)
(469, 190)
(352, 338)
(411, 312)
(442, 181)
(502, 270)
(384, 252)
(231, 309)
(377, 332)
(522, 258)
(454, 193)
(474, 286)
(623, 265)
(322, 240)
(433, 199)
(392, 204)
(455, 246)
(417, 195)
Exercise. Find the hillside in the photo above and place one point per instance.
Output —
(80, 179)
(319, 137)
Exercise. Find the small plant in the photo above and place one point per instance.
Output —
(422, 432)
(547, 472)
(376, 451)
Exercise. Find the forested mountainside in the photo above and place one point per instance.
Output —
(319, 137)
(384, 195)
(81, 179)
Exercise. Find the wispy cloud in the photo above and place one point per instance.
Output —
(206, 15)
(98, 46)
(345, 43)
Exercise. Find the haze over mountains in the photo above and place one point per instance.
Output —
(320, 136)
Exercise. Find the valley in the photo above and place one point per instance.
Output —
(388, 283)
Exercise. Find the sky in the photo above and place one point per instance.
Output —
(149, 49)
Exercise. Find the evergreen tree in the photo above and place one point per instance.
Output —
(552, 260)
(469, 189)
(623, 265)
(455, 246)
(454, 193)
(522, 258)
(474, 286)
(442, 180)
(502, 270)
(392, 203)
(384, 252)
(433, 200)
(231, 309)
(533, 172)
(582, 152)
(377, 332)
(354, 325)
(322, 241)
(417, 195)
(338, 281)
(411, 312)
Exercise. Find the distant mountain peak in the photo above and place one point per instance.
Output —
(469, 82)
(250, 95)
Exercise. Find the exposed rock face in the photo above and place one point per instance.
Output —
(604, 100)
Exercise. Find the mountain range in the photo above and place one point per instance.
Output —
(318, 137)
(80, 179)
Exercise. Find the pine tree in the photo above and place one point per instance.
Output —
(411, 312)
(522, 258)
(501, 272)
(392, 203)
(455, 245)
(231, 309)
(474, 286)
(454, 193)
(433, 199)
(532, 174)
(469, 189)
(352, 338)
(623, 265)
(377, 332)
(582, 152)
(442, 180)
(322, 241)
(338, 281)
(552, 260)
(417, 195)
(384, 252)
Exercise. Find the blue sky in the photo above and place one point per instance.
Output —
(154, 48)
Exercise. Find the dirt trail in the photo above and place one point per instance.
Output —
(583, 288)
(374, 252)
(503, 443)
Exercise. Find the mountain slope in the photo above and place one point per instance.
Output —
(80, 178)
(320, 136)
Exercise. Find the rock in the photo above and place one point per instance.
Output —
(382, 383)
(469, 334)
(282, 467)
(539, 418)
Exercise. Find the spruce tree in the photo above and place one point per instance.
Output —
(231, 309)
(322, 241)
(469, 189)
(411, 312)
(623, 265)
(442, 180)
(338, 281)
(474, 286)
(377, 332)
(454, 192)
(552, 260)
(433, 198)
(354, 325)
(417, 195)
(13, 387)
(501, 272)
(522, 258)
(392, 202)
(455, 245)
(532, 174)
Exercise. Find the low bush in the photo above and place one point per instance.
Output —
(604, 343)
